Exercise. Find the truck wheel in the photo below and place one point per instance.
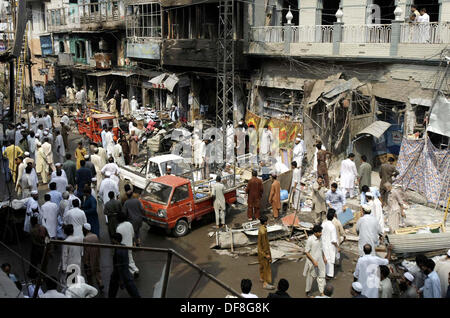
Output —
(181, 228)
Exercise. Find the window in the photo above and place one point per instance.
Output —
(61, 47)
(180, 194)
(80, 49)
(157, 193)
(144, 20)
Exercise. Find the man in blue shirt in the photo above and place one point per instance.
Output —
(55, 195)
(335, 199)
(432, 286)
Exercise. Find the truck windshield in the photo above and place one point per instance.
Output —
(179, 167)
(157, 193)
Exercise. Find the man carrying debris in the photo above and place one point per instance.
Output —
(387, 171)
(319, 204)
(369, 230)
(218, 190)
(315, 261)
(254, 192)
(367, 271)
(264, 255)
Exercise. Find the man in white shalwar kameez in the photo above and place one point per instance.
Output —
(109, 143)
(47, 148)
(60, 180)
(253, 144)
(107, 186)
(315, 261)
(118, 154)
(133, 104)
(58, 167)
(76, 217)
(98, 164)
(368, 229)
(33, 122)
(41, 164)
(28, 182)
(199, 149)
(295, 185)
(60, 149)
(367, 271)
(113, 168)
(265, 143)
(103, 136)
(330, 243)
(50, 212)
(230, 143)
(298, 151)
(348, 175)
(376, 208)
(32, 209)
(103, 155)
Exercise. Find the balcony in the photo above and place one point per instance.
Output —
(395, 41)
(109, 14)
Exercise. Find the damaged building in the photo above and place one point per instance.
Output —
(357, 84)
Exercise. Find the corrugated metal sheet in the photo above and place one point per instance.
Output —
(376, 129)
(439, 117)
(419, 243)
(420, 101)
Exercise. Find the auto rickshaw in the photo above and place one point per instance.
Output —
(92, 121)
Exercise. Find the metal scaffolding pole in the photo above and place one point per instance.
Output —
(225, 67)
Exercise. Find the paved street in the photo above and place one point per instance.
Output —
(196, 247)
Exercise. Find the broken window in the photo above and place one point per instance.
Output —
(192, 22)
(360, 104)
(144, 20)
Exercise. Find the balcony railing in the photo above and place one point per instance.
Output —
(312, 34)
(432, 33)
(74, 16)
(271, 34)
(371, 33)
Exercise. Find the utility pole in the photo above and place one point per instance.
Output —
(225, 68)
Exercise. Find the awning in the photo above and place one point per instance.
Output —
(420, 101)
(158, 80)
(111, 72)
(98, 74)
(376, 129)
(163, 81)
(439, 123)
(170, 82)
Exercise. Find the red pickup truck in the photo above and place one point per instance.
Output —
(170, 202)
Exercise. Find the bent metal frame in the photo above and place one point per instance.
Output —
(170, 253)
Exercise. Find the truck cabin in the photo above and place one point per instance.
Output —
(164, 192)
(157, 166)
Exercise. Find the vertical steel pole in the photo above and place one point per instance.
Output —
(166, 275)
(43, 269)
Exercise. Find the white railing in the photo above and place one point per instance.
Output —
(273, 34)
(312, 34)
(371, 33)
(432, 33)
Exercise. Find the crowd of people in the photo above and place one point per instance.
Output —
(40, 156)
